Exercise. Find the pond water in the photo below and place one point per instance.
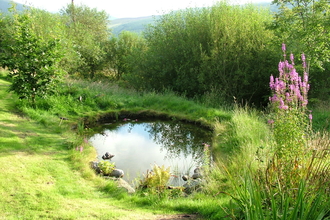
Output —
(138, 146)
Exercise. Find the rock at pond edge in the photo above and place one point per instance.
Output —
(118, 173)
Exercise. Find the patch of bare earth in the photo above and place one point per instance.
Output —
(178, 217)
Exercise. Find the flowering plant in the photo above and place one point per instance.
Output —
(289, 107)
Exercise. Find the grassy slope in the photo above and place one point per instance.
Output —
(136, 25)
(36, 179)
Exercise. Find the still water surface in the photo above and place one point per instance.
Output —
(137, 146)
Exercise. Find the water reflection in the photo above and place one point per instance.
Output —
(139, 145)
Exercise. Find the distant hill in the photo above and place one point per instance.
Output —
(5, 4)
(273, 8)
(138, 25)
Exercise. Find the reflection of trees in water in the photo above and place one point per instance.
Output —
(176, 138)
(179, 138)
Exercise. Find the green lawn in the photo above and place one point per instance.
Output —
(38, 179)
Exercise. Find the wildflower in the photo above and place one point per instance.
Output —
(292, 58)
(310, 116)
(305, 77)
(271, 83)
(303, 58)
(283, 48)
(270, 121)
(274, 98)
(282, 105)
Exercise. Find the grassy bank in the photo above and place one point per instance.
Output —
(43, 176)
(39, 174)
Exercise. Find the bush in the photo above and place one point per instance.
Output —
(106, 167)
(194, 51)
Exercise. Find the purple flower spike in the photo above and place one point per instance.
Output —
(305, 77)
(292, 58)
(289, 89)
(303, 58)
(271, 83)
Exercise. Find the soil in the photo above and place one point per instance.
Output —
(179, 217)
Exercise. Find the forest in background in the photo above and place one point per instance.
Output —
(223, 51)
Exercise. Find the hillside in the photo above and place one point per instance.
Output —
(5, 4)
(137, 25)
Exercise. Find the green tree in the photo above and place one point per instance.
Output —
(242, 54)
(196, 51)
(120, 48)
(304, 26)
(88, 32)
(30, 58)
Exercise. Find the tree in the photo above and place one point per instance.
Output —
(304, 26)
(88, 32)
(120, 48)
(30, 58)
(196, 51)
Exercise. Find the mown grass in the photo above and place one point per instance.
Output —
(45, 177)
(42, 177)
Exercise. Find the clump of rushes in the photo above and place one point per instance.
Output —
(290, 118)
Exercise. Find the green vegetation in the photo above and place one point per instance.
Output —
(30, 59)
(106, 167)
(188, 65)
(303, 26)
(135, 25)
(196, 51)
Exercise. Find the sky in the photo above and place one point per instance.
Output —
(128, 8)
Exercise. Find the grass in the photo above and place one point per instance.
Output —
(43, 176)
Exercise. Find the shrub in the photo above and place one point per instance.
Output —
(157, 178)
(31, 59)
(106, 167)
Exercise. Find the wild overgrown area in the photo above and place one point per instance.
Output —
(260, 80)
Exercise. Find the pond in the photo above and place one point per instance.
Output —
(138, 146)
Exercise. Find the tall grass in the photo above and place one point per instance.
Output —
(247, 171)
(78, 99)
(289, 181)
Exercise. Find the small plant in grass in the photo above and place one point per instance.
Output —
(106, 167)
(156, 180)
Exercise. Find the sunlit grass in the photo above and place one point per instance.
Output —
(39, 150)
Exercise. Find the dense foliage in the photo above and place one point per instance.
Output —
(304, 26)
(196, 50)
(31, 59)
(87, 34)
(226, 52)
